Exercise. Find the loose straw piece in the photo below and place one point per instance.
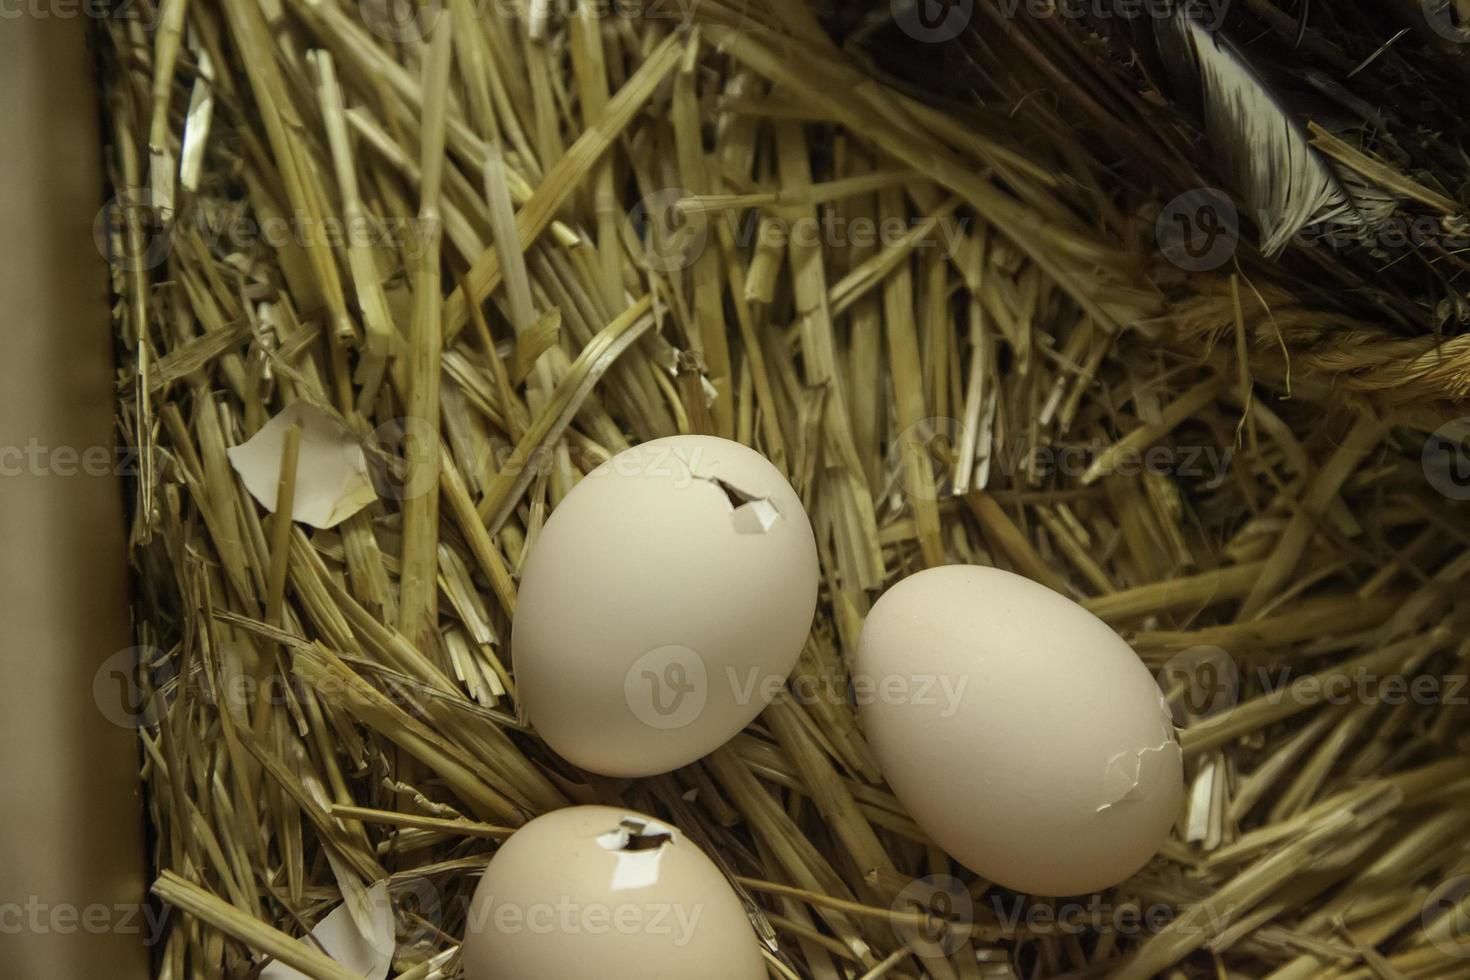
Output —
(419, 589)
(281, 525)
(944, 323)
(195, 901)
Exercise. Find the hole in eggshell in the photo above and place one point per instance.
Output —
(750, 514)
(734, 494)
(633, 834)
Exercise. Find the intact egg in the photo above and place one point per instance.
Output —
(1021, 733)
(663, 605)
(597, 891)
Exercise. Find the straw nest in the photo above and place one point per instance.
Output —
(556, 230)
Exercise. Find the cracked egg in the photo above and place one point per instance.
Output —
(663, 605)
(1020, 732)
(594, 891)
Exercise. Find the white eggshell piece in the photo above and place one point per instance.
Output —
(1023, 735)
(332, 479)
(665, 601)
(594, 891)
(365, 950)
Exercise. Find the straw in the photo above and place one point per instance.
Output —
(942, 312)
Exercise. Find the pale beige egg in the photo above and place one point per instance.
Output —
(1022, 734)
(595, 891)
(663, 605)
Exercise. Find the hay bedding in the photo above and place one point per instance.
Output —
(546, 234)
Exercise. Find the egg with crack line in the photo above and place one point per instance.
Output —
(663, 605)
(599, 891)
(1022, 734)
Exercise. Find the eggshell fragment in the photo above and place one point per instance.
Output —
(664, 603)
(367, 952)
(599, 891)
(1022, 734)
(332, 480)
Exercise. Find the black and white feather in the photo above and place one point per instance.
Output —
(1262, 147)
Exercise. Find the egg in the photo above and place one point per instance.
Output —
(598, 891)
(663, 605)
(1022, 734)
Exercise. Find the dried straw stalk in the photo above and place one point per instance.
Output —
(918, 387)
